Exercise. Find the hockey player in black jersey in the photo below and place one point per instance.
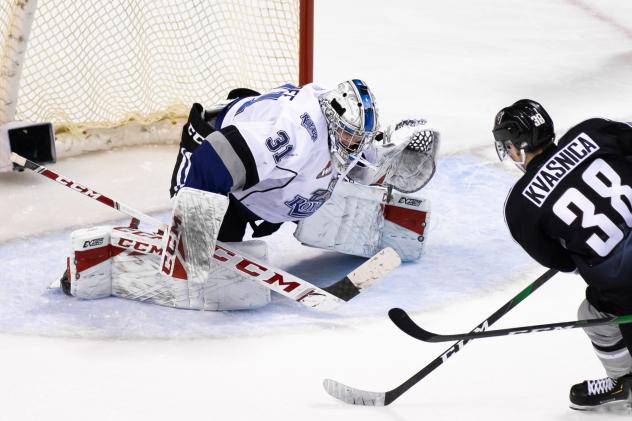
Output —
(572, 211)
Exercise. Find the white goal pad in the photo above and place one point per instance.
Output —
(125, 262)
(136, 276)
(195, 221)
(361, 220)
(89, 264)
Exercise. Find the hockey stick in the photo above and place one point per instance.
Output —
(290, 286)
(362, 397)
(403, 321)
(107, 201)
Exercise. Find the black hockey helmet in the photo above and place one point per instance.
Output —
(525, 124)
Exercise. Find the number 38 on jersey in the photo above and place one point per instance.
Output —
(603, 180)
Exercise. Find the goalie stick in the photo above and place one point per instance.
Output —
(107, 201)
(403, 321)
(290, 286)
(362, 397)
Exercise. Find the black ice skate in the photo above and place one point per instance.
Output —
(64, 282)
(591, 394)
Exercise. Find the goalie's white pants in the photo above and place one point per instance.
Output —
(100, 267)
(607, 342)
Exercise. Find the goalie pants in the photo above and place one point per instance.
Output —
(237, 216)
(610, 342)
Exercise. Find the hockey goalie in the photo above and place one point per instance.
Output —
(308, 155)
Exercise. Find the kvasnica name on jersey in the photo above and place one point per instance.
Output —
(557, 167)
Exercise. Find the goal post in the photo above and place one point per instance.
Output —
(109, 73)
(306, 43)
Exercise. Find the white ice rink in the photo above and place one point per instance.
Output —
(453, 62)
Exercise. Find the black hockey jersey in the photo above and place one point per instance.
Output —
(573, 206)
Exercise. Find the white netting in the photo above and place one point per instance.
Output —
(107, 63)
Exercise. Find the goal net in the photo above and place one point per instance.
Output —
(121, 72)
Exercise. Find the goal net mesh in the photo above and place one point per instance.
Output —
(105, 64)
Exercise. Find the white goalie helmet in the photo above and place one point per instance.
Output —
(352, 121)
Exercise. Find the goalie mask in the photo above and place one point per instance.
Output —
(352, 121)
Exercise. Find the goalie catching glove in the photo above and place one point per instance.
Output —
(404, 157)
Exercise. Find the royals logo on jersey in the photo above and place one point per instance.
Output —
(301, 207)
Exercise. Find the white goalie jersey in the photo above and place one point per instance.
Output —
(290, 147)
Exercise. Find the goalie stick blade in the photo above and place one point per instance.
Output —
(352, 395)
(402, 320)
(365, 275)
(20, 160)
(375, 268)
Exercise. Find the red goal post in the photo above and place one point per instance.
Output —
(121, 72)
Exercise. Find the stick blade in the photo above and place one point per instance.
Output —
(352, 395)
(402, 320)
(365, 275)
(20, 160)
(382, 263)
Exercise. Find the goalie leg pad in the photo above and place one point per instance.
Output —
(195, 222)
(126, 262)
(359, 220)
(136, 260)
(227, 290)
(350, 221)
(405, 221)
(136, 275)
(89, 264)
